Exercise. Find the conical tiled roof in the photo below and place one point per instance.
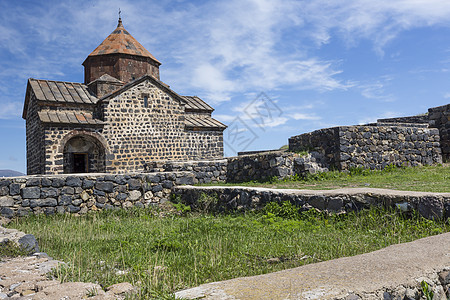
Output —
(121, 41)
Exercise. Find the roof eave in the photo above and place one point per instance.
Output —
(159, 83)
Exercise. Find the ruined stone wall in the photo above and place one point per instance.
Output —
(138, 134)
(325, 141)
(274, 164)
(261, 166)
(429, 205)
(35, 140)
(203, 144)
(20, 196)
(419, 119)
(372, 147)
(375, 147)
(205, 171)
(440, 118)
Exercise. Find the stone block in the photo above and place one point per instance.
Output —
(6, 201)
(134, 184)
(73, 181)
(73, 209)
(14, 189)
(105, 186)
(65, 200)
(184, 180)
(87, 184)
(43, 202)
(49, 192)
(46, 182)
(58, 182)
(33, 182)
(6, 212)
(31, 192)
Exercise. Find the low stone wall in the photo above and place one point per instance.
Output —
(325, 141)
(49, 194)
(375, 147)
(440, 119)
(372, 147)
(429, 205)
(204, 171)
(260, 166)
(419, 119)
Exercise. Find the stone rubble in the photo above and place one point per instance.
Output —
(26, 278)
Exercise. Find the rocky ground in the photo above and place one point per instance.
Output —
(27, 277)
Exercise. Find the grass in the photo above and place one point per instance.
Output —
(425, 179)
(173, 252)
(9, 249)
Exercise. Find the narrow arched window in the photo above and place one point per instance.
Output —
(145, 101)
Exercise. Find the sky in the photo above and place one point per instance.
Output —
(272, 69)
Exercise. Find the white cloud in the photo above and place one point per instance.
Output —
(302, 116)
(10, 110)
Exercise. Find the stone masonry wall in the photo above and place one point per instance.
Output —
(261, 166)
(372, 147)
(429, 205)
(204, 171)
(375, 147)
(35, 144)
(419, 119)
(440, 118)
(56, 138)
(138, 134)
(20, 196)
(324, 141)
(277, 163)
(203, 144)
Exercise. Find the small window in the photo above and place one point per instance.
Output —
(145, 101)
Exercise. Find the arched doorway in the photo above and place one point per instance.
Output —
(83, 154)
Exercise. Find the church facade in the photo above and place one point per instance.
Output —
(120, 119)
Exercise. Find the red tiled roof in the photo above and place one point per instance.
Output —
(121, 41)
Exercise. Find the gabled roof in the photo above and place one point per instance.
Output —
(57, 92)
(68, 117)
(153, 80)
(107, 78)
(194, 103)
(121, 41)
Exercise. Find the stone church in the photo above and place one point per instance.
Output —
(120, 119)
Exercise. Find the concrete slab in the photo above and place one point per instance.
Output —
(363, 275)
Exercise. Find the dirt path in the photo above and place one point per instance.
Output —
(395, 271)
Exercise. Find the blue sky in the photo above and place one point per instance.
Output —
(272, 69)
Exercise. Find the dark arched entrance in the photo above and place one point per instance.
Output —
(84, 154)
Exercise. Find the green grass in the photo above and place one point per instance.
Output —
(426, 179)
(9, 249)
(165, 254)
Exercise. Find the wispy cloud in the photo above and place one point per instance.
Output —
(10, 110)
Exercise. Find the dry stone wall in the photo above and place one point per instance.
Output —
(372, 147)
(375, 147)
(429, 205)
(207, 171)
(440, 118)
(20, 196)
(324, 141)
(419, 119)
